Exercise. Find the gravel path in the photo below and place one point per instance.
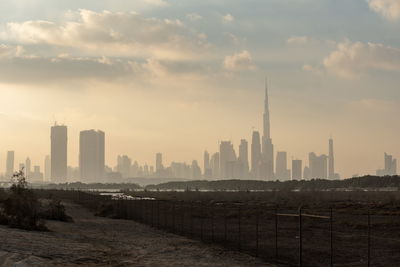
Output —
(96, 241)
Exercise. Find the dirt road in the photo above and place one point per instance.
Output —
(95, 241)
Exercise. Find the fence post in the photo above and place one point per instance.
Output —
(173, 218)
(239, 229)
(300, 238)
(152, 213)
(225, 226)
(201, 221)
(165, 216)
(369, 238)
(191, 219)
(158, 214)
(183, 218)
(257, 221)
(331, 233)
(212, 223)
(276, 232)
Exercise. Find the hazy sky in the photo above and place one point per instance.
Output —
(178, 76)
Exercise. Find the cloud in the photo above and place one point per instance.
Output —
(228, 18)
(10, 51)
(194, 16)
(28, 69)
(390, 9)
(112, 34)
(239, 61)
(352, 59)
(296, 40)
(156, 2)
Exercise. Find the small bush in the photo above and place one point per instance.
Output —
(54, 210)
(21, 206)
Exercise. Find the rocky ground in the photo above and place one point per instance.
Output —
(96, 241)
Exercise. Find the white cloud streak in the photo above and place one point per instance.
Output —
(390, 9)
(113, 34)
(239, 61)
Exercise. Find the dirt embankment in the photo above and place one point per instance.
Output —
(95, 241)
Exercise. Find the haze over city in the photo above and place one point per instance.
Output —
(179, 77)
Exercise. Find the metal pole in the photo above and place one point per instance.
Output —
(201, 221)
(276, 232)
(191, 219)
(183, 219)
(173, 217)
(225, 227)
(212, 223)
(331, 233)
(239, 229)
(300, 239)
(257, 221)
(158, 214)
(152, 213)
(369, 238)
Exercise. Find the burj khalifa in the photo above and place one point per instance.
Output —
(267, 164)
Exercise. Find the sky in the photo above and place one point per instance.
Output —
(177, 77)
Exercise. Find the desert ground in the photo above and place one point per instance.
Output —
(98, 241)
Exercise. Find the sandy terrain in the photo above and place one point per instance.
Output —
(95, 241)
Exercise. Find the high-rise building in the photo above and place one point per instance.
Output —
(282, 172)
(59, 140)
(267, 163)
(36, 175)
(297, 169)
(207, 168)
(28, 167)
(196, 171)
(390, 166)
(255, 155)
(215, 165)
(124, 165)
(92, 155)
(318, 166)
(10, 163)
(47, 168)
(331, 161)
(159, 164)
(243, 160)
(227, 155)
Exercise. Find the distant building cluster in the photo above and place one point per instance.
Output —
(255, 161)
(390, 166)
(264, 164)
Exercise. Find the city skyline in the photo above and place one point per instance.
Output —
(256, 163)
(196, 73)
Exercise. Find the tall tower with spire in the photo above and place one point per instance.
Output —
(267, 166)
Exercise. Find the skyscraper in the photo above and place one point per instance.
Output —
(124, 165)
(297, 169)
(58, 154)
(331, 161)
(28, 167)
(159, 164)
(255, 155)
(92, 156)
(10, 163)
(390, 166)
(282, 172)
(318, 166)
(207, 169)
(267, 166)
(215, 165)
(227, 157)
(243, 160)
